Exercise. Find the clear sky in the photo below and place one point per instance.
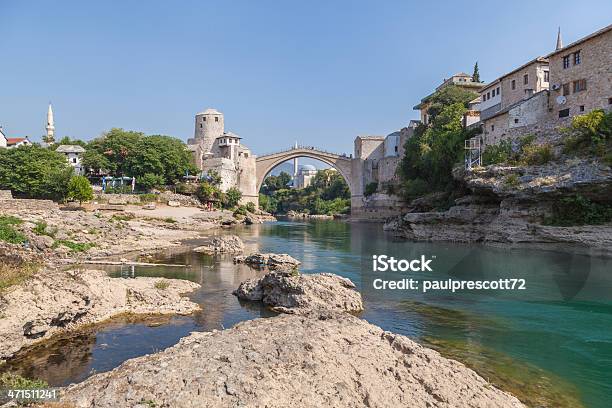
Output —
(319, 72)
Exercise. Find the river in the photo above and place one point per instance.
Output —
(550, 345)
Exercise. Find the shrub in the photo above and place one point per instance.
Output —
(41, 228)
(232, 198)
(415, 188)
(162, 284)
(250, 206)
(370, 188)
(497, 154)
(169, 220)
(589, 133)
(74, 246)
(511, 180)
(579, 210)
(536, 154)
(147, 198)
(15, 381)
(122, 217)
(150, 181)
(79, 188)
(242, 210)
(207, 191)
(8, 233)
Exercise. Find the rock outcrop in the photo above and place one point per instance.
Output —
(289, 292)
(54, 301)
(269, 260)
(323, 360)
(509, 204)
(222, 244)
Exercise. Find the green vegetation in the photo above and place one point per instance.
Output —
(240, 210)
(435, 149)
(74, 246)
(579, 210)
(511, 180)
(122, 217)
(15, 274)
(250, 207)
(80, 189)
(523, 152)
(327, 194)
(169, 220)
(34, 172)
(147, 198)
(590, 134)
(17, 382)
(162, 284)
(232, 198)
(42, 228)
(154, 160)
(8, 233)
(370, 188)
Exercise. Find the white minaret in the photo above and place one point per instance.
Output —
(295, 164)
(50, 138)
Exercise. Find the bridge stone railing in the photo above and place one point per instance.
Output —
(300, 147)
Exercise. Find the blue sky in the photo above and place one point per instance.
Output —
(319, 72)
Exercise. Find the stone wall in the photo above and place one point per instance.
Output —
(6, 195)
(594, 67)
(387, 170)
(378, 207)
(226, 170)
(369, 147)
(27, 204)
(247, 179)
(535, 72)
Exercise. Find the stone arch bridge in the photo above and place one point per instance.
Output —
(341, 162)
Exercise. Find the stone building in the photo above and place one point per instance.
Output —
(74, 155)
(581, 76)
(461, 79)
(215, 149)
(516, 99)
(305, 176)
(3, 139)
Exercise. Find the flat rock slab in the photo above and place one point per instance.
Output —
(289, 292)
(329, 360)
(222, 244)
(269, 260)
(55, 301)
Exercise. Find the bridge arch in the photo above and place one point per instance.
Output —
(342, 163)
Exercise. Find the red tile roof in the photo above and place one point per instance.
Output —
(15, 140)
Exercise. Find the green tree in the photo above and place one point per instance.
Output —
(150, 181)
(232, 197)
(213, 177)
(80, 189)
(66, 140)
(95, 161)
(207, 191)
(476, 74)
(35, 172)
(118, 146)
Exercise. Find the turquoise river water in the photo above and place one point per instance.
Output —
(550, 344)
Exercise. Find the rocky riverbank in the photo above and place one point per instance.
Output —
(511, 205)
(54, 301)
(316, 355)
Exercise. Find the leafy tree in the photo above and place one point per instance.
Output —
(213, 177)
(33, 171)
(80, 189)
(66, 140)
(207, 191)
(232, 197)
(370, 188)
(274, 183)
(476, 74)
(96, 161)
(149, 181)
(117, 145)
(435, 149)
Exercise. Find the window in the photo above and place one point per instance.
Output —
(204, 119)
(492, 128)
(581, 108)
(564, 113)
(579, 85)
(566, 62)
(498, 90)
(488, 95)
(395, 149)
(216, 118)
(525, 79)
(513, 84)
(577, 58)
(515, 120)
(566, 89)
(546, 76)
(609, 101)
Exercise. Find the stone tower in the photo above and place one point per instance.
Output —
(50, 137)
(208, 127)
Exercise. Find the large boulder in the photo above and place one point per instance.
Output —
(270, 260)
(222, 244)
(288, 360)
(289, 292)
